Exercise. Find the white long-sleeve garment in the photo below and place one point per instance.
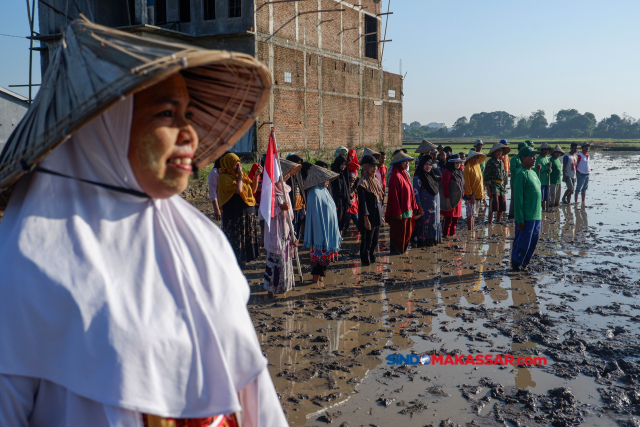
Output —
(122, 305)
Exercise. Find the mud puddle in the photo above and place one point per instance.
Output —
(328, 344)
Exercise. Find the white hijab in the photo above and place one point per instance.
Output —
(127, 301)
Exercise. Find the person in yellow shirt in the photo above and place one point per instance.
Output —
(473, 185)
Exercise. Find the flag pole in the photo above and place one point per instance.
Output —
(293, 233)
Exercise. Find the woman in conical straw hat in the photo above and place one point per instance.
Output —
(495, 177)
(426, 187)
(130, 305)
(279, 277)
(543, 167)
(322, 232)
(555, 177)
(473, 185)
(402, 207)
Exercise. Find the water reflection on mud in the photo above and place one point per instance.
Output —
(327, 344)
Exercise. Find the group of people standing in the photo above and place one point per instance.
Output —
(319, 201)
(443, 181)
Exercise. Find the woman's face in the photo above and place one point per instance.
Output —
(370, 170)
(442, 155)
(456, 165)
(343, 166)
(427, 166)
(497, 153)
(349, 158)
(404, 164)
(163, 141)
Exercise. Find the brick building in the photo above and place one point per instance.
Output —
(330, 89)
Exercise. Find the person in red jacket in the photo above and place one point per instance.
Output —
(401, 205)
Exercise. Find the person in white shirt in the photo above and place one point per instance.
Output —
(583, 169)
(569, 164)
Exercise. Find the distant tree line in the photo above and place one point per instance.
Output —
(568, 124)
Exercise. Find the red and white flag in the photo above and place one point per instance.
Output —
(270, 176)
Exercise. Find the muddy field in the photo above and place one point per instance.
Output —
(328, 344)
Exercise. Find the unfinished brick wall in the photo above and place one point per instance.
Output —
(345, 100)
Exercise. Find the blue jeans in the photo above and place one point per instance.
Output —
(524, 243)
(583, 182)
(545, 193)
(351, 217)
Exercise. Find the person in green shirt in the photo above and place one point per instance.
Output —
(556, 176)
(515, 165)
(543, 166)
(528, 211)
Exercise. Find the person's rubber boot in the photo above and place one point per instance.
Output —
(515, 268)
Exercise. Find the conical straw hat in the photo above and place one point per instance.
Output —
(289, 168)
(97, 66)
(318, 175)
(557, 149)
(544, 145)
(425, 147)
(369, 152)
(497, 146)
(400, 156)
(473, 154)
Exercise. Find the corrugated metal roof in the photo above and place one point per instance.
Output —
(15, 95)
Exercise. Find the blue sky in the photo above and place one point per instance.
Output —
(468, 56)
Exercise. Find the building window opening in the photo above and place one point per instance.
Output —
(160, 11)
(185, 10)
(209, 10)
(235, 8)
(371, 41)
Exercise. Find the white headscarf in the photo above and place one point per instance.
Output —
(127, 301)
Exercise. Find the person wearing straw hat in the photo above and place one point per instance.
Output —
(239, 220)
(452, 191)
(370, 218)
(122, 304)
(279, 277)
(505, 160)
(297, 196)
(556, 176)
(543, 166)
(425, 147)
(515, 165)
(583, 169)
(400, 205)
(322, 231)
(473, 185)
(495, 177)
(426, 187)
(569, 167)
(528, 213)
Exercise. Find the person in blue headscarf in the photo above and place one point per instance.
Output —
(322, 233)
